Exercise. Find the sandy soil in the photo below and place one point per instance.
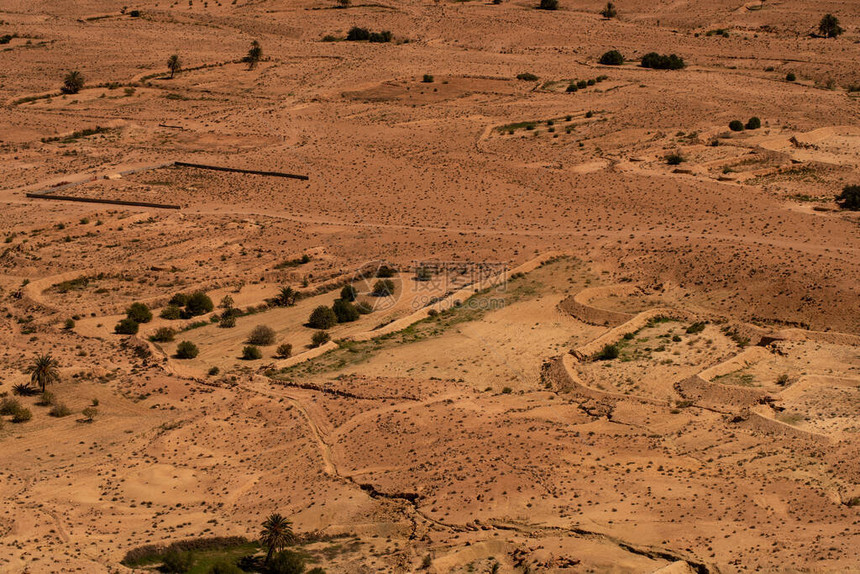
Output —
(471, 437)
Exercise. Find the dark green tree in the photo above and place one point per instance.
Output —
(72, 83)
(174, 65)
(255, 54)
(849, 198)
(829, 26)
(276, 534)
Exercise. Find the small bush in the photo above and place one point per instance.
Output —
(736, 126)
(662, 62)
(427, 79)
(527, 77)
(753, 124)
(284, 351)
(59, 410)
(357, 34)
(171, 312)
(380, 37)
(320, 338)
(345, 311)
(385, 272)
(127, 327)
(383, 288)
(697, 327)
(548, 5)
(322, 318)
(179, 300)
(348, 293)
(251, 353)
(23, 390)
(790, 77)
(609, 11)
(612, 58)
(213, 371)
(227, 321)
(9, 406)
(607, 353)
(46, 399)
(89, 413)
(186, 350)
(674, 159)
(199, 303)
(849, 198)
(22, 415)
(364, 308)
(72, 83)
(163, 335)
(139, 312)
(69, 324)
(262, 335)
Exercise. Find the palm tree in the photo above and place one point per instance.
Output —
(276, 534)
(72, 83)
(44, 371)
(173, 64)
(254, 55)
(286, 297)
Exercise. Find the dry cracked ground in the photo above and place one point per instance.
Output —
(622, 337)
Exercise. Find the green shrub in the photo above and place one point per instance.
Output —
(322, 318)
(262, 335)
(139, 312)
(225, 567)
(59, 410)
(548, 5)
(527, 77)
(198, 303)
(284, 351)
(348, 293)
(612, 58)
(186, 350)
(790, 77)
(849, 198)
(179, 300)
(251, 353)
(427, 79)
(385, 271)
(177, 562)
(127, 327)
(383, 288)
(357, 34)
(285, 562)
(364, 308)
(736, 126)
(582, 84)
(9, 406)
(674, 159)
(89, 413)
(21, 415)
(171, 312)
(753, 124)
(345, 311)
(72, 83)
(47, 398)
(697, 327)
(380, 37)
(662, 62)
(609, 11)
(213, 371)
(320, 338)
(69, 324)
(829, 26)
(227, 321)
(607, 353)
(163, 335)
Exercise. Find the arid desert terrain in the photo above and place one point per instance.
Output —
(452, 286)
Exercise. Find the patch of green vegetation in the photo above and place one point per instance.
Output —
(203, 552)
(736, 378)
(790, 418)
(349, 353)
(305, 258)
(79, 135)
(77, 284)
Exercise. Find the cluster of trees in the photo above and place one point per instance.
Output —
(358, 34)
(185, 306)
(849, 198)
(662, 61)
(136, 314)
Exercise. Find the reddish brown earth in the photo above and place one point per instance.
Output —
(486, 434)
